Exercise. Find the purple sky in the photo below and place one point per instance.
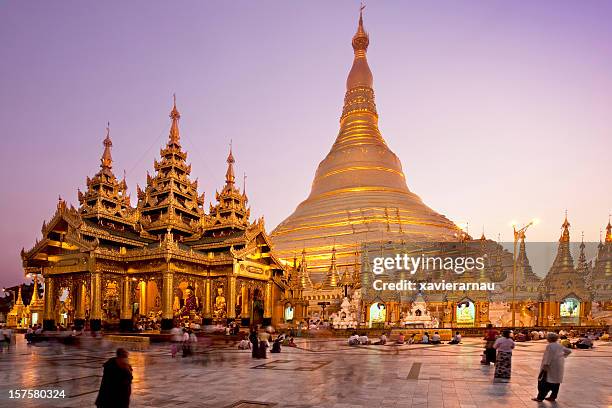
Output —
(498, 111)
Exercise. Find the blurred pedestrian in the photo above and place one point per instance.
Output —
(551, 370)
(116, 386)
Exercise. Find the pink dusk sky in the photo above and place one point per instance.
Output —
(499, 111)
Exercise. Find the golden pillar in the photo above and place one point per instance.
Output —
(208, 302)
(125, 322)
(167, 297)
(79, 299)
(267, 317)
(95, 317)
(49, 313)
(231, 302)
(126, 308)
(244, 294)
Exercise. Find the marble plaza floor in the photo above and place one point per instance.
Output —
(319, 373)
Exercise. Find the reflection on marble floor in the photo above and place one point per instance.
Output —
(319, 373)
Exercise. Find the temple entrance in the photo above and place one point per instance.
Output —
(147, 299)
(289, 311)
(111, 303)
(378, 314)
(569, 311)
(65, 309)
(258, 307)
(466, 313)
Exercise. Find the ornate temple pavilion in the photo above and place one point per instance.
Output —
(166, 258)
(359, 192)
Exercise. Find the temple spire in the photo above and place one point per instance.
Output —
(35, 297)
(609, 231)
(360, 74)
(230, 178)
(174, 128)
(565, 235)
(107, 160)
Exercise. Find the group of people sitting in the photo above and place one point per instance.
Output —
(362, 339)
(356, 339)
(247, 343)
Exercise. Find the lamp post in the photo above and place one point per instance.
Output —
(517, 235)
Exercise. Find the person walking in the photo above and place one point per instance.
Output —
(503, 363)
(490, 352)
(254, 343)
(116, 386)
(551, 370)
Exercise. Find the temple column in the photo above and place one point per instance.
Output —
(125, 322)
(49, 313)
(79, 309)
(167, 297)
(244, 291)
(95, 317)
(207, 320)
(231, 302)
(267, 317)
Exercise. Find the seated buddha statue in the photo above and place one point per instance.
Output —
(220, 305)
(191, 302)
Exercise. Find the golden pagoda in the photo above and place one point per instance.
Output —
(566, 298)
(359, 192)
(17, 313)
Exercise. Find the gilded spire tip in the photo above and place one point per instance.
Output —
(230, 178)
(107, 160)
(174, 128)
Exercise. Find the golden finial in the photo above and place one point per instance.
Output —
(107, 160)
(609, 230)
(229, 175)
(565, 236)
(174, 129)
(361, 39)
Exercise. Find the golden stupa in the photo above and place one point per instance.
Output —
(359, 193)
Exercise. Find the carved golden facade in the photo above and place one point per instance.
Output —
(165, 258)
(539, 301)
(359, 192)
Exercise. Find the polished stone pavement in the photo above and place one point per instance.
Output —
(319, 373)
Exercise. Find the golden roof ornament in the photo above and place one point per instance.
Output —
(174, 128)
(609, 231)
(229, 175)
(565, 235)
(106, 159)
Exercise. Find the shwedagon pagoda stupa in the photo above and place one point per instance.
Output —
(359, 193)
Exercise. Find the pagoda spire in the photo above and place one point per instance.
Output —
(106, 159)
(332, 279)
(174, 128)
(231, 210)
(359, 96)
(230, 178)
(565, 235)
(304, 275)
(609, 231)
(35, 292)
(19, 300)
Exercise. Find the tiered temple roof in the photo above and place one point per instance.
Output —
(562, 279)
(230, 213)
(170, 202)
(106, 202)
(169, 220)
